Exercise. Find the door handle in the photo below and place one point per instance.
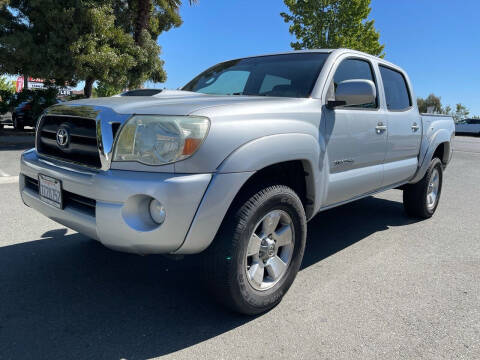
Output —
(380, 128)
(415, 127)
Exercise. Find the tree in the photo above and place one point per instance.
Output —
(105, 90)
(461, 112)
(333, 24)
(432, 103)
(35, 36)
(104, 51)
(7, 89)
(153, 16)
(134, 55)
(112, 41)
(7, 85)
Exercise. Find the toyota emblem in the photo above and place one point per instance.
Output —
(62, 137)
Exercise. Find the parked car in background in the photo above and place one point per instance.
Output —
(468, 126)
(236, 162)
(5, 119)
(26, 113)
(22, 115)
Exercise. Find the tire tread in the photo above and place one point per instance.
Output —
(227, 241)
(414, 195)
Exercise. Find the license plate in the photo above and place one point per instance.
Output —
(50, 190)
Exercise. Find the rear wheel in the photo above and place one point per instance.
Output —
(421, 199)
(256, 255)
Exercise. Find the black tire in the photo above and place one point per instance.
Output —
(225, 261)
(17, 125)
(415, 195)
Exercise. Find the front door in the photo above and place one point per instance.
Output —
(356, 139)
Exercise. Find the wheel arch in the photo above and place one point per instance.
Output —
(442, 152)
(296, 174)
(244, 170)
(439, 145)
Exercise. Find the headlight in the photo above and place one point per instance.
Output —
(158, 140)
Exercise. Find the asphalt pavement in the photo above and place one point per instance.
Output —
(374, 284)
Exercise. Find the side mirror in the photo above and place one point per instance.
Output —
(354, 92)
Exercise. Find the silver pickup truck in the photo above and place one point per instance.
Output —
(236, 162)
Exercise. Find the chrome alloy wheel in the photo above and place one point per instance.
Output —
(269, 250)
(432, 191)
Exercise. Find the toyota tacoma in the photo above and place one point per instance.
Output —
(237, 161)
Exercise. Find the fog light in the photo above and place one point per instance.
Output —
(157, 211)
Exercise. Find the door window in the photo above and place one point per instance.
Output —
(354, 69)
(396, 90)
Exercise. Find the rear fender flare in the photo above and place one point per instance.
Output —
(439, 137)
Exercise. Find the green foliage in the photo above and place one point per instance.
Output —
(105, 90)
(5, 100)
(35, 36)
(7, 89)
(112, 41)
(333, 24)
(7, 85)
(461, 112)
(104, 51)
(433, 102)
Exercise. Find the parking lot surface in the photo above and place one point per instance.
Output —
(373, 284)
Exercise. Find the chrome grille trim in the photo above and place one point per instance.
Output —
(104, 118)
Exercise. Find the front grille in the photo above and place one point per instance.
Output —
(82, 147)
(78, 202)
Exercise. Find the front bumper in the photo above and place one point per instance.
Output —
(118, 217)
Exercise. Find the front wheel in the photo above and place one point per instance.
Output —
(258, 251)
(17, 124)
(421, 199)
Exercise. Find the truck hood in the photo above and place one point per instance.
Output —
(176, 102)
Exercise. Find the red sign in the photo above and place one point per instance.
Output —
(19, 84)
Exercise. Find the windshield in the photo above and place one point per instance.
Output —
(287, 75)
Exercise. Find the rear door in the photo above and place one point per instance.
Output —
(404, 127)
(356, 137)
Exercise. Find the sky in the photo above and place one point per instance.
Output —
(436, 41)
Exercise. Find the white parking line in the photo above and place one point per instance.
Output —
(8, 179)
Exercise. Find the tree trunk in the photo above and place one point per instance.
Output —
(25, 82)
(87, 90)
(141, 22)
